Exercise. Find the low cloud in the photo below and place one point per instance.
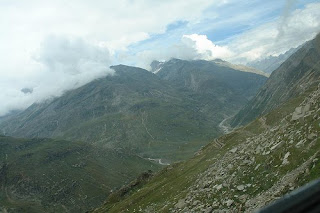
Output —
(72, 56)
(63, 64)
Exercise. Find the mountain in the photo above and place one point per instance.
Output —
(153, 115)
(241, 171)
(271, 63)
(219, 86)
(46, 175)
(9, 115)
(156, 66)
(206, 76)
(293, 77)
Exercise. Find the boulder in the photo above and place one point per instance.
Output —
(241, 187)
(229, 202)
(312, 136)
(181, 204)
(233, 150)
(285, 159)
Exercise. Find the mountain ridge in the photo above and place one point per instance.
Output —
(300, 71)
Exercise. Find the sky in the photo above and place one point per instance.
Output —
(50, 47)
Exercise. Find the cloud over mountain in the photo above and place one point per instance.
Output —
(55, 46)
(62, 64)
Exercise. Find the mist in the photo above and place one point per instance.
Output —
(285, 17)
(62, 64)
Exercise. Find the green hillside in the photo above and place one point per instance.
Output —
(45, 175)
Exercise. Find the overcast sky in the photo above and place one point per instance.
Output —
(54, 46)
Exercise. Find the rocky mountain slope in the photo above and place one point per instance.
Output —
(169, 115)
(240, 171)
(292, 78)
(45, 175)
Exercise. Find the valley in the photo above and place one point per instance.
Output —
(166, 115)
(253, 165)
(167, 106)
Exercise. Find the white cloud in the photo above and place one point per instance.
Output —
(276, 37)
(72, 56)
(62, 64)
(206, 49)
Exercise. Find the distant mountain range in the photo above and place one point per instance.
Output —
(271, 63)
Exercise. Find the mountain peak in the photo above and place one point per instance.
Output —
(127, 69)
(218, 60)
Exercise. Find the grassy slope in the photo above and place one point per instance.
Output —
(174, 182)
(45, 175)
